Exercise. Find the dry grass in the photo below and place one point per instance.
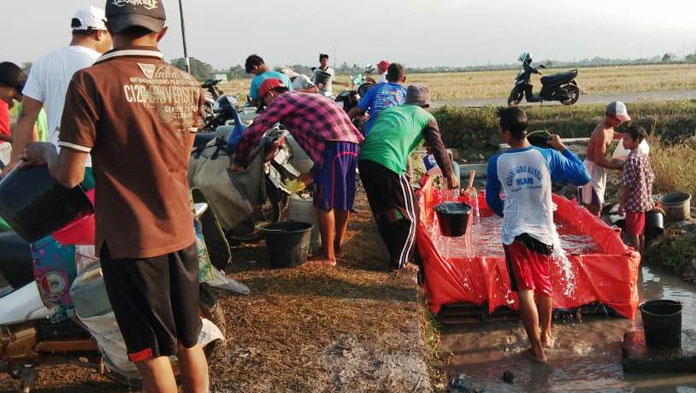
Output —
(354, 328)
(674, 165)
(493, 84)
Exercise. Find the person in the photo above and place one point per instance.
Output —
(382, 68)
(50, 75)
(300, 82)
(323, 76)
(638, 177)
(597, 163)
(528, 70)
(12, 80)
(524, 174)
(381, 96)
(132, 108)
(324, 131)
(255, 65)
(382, 166)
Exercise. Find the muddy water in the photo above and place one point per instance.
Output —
(586, 357)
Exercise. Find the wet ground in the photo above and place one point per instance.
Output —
(586, 357)
(663, 95)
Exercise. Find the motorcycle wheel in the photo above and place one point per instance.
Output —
(212, 311)
(573, 94)
(516, 96)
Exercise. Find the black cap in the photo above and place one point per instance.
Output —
(122, 14)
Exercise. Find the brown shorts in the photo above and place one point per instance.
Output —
(155, 301)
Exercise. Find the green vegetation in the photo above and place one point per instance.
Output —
(477, 128)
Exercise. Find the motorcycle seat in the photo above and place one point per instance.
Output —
(15, 259)
(559, 78)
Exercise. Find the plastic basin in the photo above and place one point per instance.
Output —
(677, 205)
(287, 242)
(662, 323)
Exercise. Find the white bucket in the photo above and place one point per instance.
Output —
(300, 209)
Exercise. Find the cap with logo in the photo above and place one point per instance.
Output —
(268, 85)
(417, 95)
(122, 14)
(383, 65)
(89, 18)
(618, 110)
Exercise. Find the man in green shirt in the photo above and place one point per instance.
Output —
(383, 162)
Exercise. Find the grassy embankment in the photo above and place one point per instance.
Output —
(492, 84)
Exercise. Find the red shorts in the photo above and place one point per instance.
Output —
(528, 269)
(635, 223)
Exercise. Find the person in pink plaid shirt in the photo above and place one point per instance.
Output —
(327, 135)
(637, 193)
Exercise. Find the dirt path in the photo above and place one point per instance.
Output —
(354, 328)
(664, 95)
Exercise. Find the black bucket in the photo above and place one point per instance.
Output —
(453, 218)
(35, 205)
(322, 77)
(287, 242)
(654, 223)
(662, 323)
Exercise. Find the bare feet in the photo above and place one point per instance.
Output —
(320, 260)
(547, 340)
(338, 249)
(536, 355)
(412, 267)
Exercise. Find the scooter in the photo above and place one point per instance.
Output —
(560, 87)
(242, 201)
(33, 335)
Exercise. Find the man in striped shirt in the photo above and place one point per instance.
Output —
(326, 134)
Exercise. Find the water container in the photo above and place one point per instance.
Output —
(89, 293)
(654, 222)
(287, 242)
(322, 77)
(662, 323)
(677, 205)
(34, 204)
(300, 209)
(453, 218)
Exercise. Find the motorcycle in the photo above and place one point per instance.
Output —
(361, 83)
(33, 335)
(560, 87)
(212, 93)
(243, 200)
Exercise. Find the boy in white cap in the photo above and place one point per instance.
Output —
(597, 162)
(51, 73)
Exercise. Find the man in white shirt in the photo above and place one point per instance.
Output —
(300, 82)
(51, 73)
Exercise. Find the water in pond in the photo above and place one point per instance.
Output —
(586, 357)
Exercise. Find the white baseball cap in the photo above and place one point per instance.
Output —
(618, 110)
(89, 18)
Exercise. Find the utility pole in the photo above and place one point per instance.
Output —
(183, 36)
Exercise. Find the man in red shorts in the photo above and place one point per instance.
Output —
(136, 115)
(324, 131)
(638, 177)
(524, 175)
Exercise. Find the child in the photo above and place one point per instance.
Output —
(524, 173)
(637, 193)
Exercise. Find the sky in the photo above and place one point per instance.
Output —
(417, 33)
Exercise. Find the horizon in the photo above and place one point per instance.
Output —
(469, 33)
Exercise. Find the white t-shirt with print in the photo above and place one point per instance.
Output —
(48, 82)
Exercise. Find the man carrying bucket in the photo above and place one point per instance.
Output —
(524, 175)
(383, 162)
(324, 131)
(136, 115)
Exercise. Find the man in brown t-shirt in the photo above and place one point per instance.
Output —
(135, 114)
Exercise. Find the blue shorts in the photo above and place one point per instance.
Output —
(334, 182)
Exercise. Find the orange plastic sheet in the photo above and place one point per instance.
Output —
(608, 277)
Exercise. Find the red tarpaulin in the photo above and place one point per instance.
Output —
(609, 276)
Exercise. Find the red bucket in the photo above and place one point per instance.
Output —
(79, 231)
